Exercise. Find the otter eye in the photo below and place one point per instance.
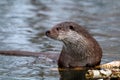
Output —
(71, 27)
(58, 28)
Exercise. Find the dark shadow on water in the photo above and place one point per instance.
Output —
(72, 74)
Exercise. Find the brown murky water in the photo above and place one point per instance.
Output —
(23, 23)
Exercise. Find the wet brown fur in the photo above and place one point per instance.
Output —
(78, 53)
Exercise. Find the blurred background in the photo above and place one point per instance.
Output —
(24, 22)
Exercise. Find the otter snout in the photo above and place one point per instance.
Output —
(52, 33)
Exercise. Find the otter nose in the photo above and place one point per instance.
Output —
(47, 33)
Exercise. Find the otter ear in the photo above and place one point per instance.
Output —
(71, 27)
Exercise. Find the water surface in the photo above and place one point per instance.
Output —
(23, 23)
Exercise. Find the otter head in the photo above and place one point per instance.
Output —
(67, 32)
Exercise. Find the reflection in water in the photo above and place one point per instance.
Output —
(72, 74)
(23, 23)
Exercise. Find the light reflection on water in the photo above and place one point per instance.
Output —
(23, 23)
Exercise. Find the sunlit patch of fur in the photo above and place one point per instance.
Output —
(71, 36)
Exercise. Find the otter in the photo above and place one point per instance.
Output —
(80, 49)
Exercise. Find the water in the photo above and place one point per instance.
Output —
(23, 23)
